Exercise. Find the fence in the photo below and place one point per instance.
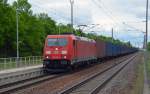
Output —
(9, 63)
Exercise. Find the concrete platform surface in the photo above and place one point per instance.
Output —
(10, 71)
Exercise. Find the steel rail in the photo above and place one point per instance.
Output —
(5, 89)
(23, 84)
(96, 90)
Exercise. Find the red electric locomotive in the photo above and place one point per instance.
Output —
(66, 51)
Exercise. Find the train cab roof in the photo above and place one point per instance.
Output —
(73, 37)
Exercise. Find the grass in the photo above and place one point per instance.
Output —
(148, 67)
(139, 81)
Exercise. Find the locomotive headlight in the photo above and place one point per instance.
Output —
(48, 52)
(64, 52)
(65, 57)
(47, 57)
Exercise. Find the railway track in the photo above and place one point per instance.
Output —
(94, 83)
(6, 89)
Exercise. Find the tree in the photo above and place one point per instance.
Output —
(48, 24)
(23, 6)
(33, 29)
(7, 30)
(148, 46)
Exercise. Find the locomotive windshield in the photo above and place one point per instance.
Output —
(57, 42)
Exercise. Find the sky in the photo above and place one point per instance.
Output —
(126, 17)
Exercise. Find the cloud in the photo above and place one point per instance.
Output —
(61, 10)
(107, 13)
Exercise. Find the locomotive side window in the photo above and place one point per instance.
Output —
(57, 42)
(74, 43)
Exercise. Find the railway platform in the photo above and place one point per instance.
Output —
(19, 74)
(10, 71)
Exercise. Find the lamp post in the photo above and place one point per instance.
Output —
(17, 35)
(71, 3)
(144, 40)
(112, 34)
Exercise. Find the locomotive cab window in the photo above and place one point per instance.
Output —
(57, 42)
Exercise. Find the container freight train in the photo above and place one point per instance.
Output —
(68, 51)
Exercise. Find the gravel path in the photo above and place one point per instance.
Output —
(123, 83)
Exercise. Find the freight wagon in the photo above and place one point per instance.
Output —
(109, 50)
